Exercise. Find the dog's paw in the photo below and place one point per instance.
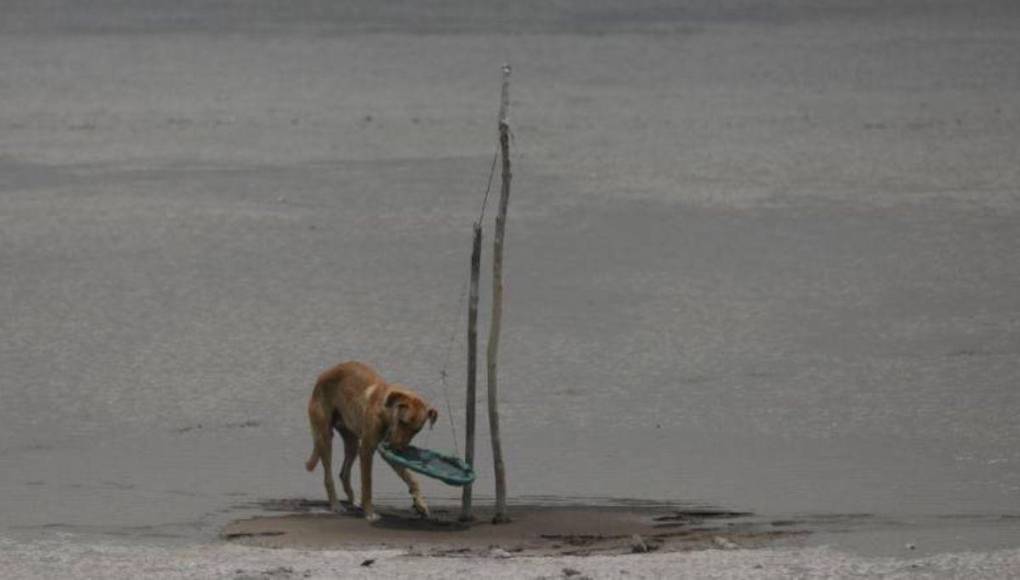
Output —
(421, 507)
(371, 516)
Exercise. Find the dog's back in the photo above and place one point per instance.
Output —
(347, 378)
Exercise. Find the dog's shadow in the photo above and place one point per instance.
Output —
(395, 519)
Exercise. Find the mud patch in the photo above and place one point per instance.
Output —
(533, 531)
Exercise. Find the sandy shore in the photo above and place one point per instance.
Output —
(66, 558)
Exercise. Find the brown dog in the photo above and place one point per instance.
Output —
(353, 399)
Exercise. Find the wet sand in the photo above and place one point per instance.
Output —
(574, 528)
(533, 531)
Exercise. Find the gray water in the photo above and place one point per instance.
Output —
(761, 255)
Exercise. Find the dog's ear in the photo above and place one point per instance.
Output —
(394, 399)
(432, 415)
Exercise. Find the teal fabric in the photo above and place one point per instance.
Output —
(446, 468)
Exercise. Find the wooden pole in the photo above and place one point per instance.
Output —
(472, 367)
(497, 302)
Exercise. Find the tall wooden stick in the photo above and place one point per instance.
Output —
(472, 366)
(497, 302)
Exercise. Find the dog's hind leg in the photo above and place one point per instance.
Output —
(350, 454)
(324, 446)
(322, 435)
(413, 488)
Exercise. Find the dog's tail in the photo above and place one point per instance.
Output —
(313, 419)
(312, 461)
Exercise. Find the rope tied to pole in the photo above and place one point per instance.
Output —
(460, 303)
(488, 188)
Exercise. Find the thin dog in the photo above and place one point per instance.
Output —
(366, 410)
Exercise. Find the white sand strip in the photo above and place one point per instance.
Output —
(67, 559)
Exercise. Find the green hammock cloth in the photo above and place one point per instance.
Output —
(446, 468)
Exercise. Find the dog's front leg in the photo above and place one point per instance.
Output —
(365, 452)
(413, 488)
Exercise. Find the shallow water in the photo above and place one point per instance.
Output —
(764, 260)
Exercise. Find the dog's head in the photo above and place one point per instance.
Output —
(407, 413)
